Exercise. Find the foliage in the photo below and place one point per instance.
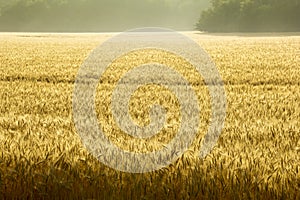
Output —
(250, 16)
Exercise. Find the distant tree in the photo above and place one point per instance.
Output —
(250, 15)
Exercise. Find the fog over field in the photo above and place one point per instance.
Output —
(120, 15)
(94, 15)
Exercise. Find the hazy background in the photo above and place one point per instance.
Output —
(98, 15)
(121, 15)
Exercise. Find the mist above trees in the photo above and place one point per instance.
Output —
(98, 15)
(120, 15)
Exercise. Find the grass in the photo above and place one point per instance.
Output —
(257, 155)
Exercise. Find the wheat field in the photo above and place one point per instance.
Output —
(257, 155)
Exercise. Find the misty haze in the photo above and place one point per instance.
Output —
(121, 15)
(95, 15)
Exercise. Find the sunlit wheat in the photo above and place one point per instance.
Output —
(257, 155)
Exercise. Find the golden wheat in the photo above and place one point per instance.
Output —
(257, 155)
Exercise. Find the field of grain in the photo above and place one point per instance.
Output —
(257, 155)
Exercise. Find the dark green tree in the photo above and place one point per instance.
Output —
(250, 16)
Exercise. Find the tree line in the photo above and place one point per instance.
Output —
(251, 16)
(120, 15)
